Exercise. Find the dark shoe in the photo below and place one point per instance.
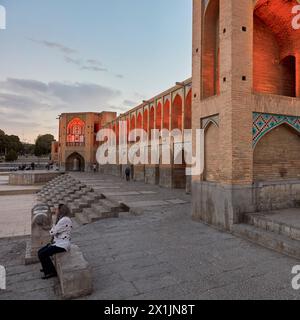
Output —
(49, 276)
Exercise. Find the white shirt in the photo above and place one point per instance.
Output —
(62, 233)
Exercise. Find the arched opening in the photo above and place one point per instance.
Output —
(145, 120)
(275, 46)
(277, 155)
(210, 53)
(166, 119)
(139, 121)
(132, 123)
(288, 78)
(188, 111)
(211, 153)
(177, 113)
(75, 163)
(76, 132)
(158, 116)
(151, 120)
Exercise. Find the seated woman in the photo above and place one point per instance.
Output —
(61, 242)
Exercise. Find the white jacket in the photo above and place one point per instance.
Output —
(62, 233)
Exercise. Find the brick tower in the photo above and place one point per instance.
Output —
(246, 96)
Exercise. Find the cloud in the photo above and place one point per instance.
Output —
(94, 62)
(120, 76)
(94, 68)
(94, 65)
(72, 60)
(130, 103)
(29, 106)
(55, 45)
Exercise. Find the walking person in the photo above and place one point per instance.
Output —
(95, 167)
(61, 233)
(127, 173)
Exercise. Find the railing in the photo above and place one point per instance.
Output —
(75, 144)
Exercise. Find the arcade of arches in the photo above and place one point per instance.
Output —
(245, 93)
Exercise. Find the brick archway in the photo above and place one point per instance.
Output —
(75, 162)
(277, 155)
(211, 153)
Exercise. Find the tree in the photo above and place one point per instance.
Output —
(11, 156)
(43, 145)
(11, 142)
(28, 148)
(14, 143)
(3, 142)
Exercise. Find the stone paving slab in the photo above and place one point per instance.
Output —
(146, 204)
(15, 215)
(176, 201)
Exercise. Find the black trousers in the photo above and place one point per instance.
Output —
(44, 255)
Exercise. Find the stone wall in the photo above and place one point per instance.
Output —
(31, 178)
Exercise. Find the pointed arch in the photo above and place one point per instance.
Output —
(166, 117)
(158, 116)
(188, 111)
(277, 155)
(139, 121)
(145, 120)
(177, 113)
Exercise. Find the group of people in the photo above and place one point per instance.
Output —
(25, 167)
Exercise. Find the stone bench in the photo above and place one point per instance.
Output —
(74, 274)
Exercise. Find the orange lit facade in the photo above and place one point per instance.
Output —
(171, 109)
(77, 145)
(246, 96)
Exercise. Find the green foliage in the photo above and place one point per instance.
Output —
(43, 145)
(11, 142)
(28, 148)
(11, 156)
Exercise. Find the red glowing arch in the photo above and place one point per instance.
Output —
(76, 131)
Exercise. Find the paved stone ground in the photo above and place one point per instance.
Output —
(160, 254)
(15, 213)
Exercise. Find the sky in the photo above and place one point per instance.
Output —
(87, 55)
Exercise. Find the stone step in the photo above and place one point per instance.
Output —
(266, 222)
(91, 198)
(112, 206)
(268, 239)
(99, 213)
(82, 218)
(74, 209)
(82, 204)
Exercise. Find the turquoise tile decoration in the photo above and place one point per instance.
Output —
(264, 123)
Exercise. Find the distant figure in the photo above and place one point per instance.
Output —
(32, 166)
(61, 242)
(95, 167)
(127, 173)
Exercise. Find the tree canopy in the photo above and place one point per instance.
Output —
(9, 142)
(43, 145)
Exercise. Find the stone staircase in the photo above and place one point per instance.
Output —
(86, 205)
(266, 231)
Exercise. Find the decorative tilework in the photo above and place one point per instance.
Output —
(264, 123)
